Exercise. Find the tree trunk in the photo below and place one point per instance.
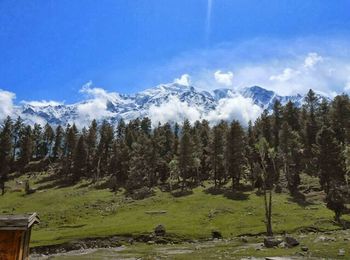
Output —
(269, 222)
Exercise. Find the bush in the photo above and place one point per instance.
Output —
(141, 193)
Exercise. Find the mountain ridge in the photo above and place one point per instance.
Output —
(115, 106)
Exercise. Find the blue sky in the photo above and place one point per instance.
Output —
(49, 49)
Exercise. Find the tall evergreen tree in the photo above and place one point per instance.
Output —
(25, 147)
(340, 118)
(291, 115)
(216, 148)
(16, 136)
(5, 152)
(186, 157)
(276, 121)
(91, 146)
(234, 154)
(58, 146)
(79, 161)
(48, 138)
(141, 172)
(310, 129)
(37, 141)
(290, 151)
(330, 160)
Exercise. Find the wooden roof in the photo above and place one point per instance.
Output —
(18, 222)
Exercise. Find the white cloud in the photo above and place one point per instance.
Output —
(174, 110)
(347, 86)
(96, 106)
(311, 60)
(43, 103)
(6, 103)
(97, 92)
(183, 80)
(286, 75)
(284, 66)
(235, 108)
(224, 78)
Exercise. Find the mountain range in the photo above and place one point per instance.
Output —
(165, 102)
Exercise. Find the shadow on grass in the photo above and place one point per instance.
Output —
(58, 183)
(236, 195)
(181, 193)
(228, 193)
(215, 190)
(299, 198)
(55, 180)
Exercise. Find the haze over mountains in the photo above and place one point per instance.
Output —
(171, 102)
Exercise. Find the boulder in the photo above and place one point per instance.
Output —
(291, 241)
(270, 242)
(159, 231)
(215, 234)
(244, 239)
(304, 248)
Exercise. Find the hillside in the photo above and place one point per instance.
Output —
(82, 211)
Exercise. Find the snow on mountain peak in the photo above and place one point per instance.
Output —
(166, 102)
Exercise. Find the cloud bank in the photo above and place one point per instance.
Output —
(224, 78)
(6, 103)
(237, 107)
(288, 66)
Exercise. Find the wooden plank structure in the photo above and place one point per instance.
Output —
(15, 233)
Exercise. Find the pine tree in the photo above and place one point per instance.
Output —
(37, 141)
(267, 156)
(5, 152)
(197, 151)
(70, 142)
(121, 129)
(162, 142)
(340, 118)
(330, 160)
(289, 149)
(146, 126)
(16, 136)
(176, 139)
(251, 154)
(264, 126)
(291, 115)
(140, 172)
(25, 147)
(204, 158)
(186, 157)
(104, 149)
(234, 153)
(57, 149)
(276, 122)
(91, 146)
(48, 138)
(216, 154)
(323, 113)
(122, 162)
(310, 129)
(79, 161)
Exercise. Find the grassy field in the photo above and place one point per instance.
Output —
(82, 211)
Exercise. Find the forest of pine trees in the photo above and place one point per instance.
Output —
(280, 145)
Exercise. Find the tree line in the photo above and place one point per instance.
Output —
(279, 146)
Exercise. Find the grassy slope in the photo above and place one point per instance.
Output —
(78, 212)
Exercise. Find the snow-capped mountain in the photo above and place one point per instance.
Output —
(177, 101)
